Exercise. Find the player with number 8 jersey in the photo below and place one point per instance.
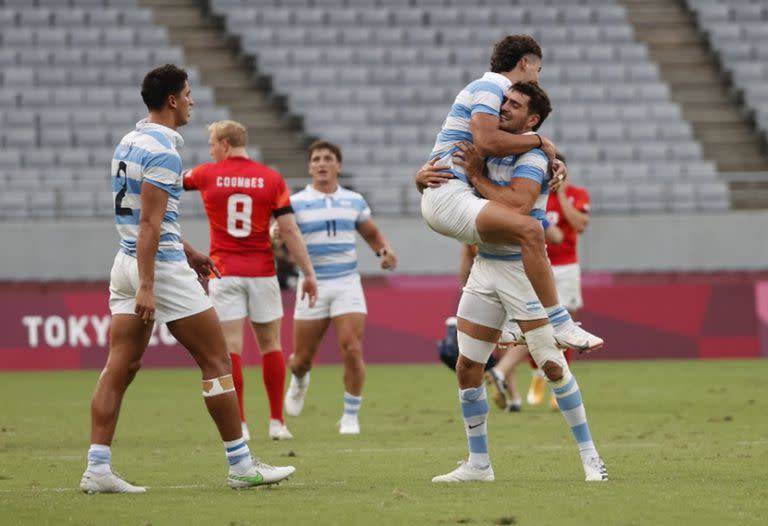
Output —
(241, 196)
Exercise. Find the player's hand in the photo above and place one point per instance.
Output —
(202, 264)
(309, 289)
(145, 304)
(388, 258)
(471, 161)
(559, 176)
(549, 148)
(432, 176)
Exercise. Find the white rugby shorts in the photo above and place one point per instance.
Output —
(178, 294)
(498, 291)
(452, 209)
(568, 284)
(334, 297)
(257, 298)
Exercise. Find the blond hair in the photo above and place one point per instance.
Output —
(234, 132)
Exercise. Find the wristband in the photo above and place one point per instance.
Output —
(541, 143)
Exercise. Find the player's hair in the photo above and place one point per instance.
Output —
(323, 145)
(561, 157)
(161, 82)
(538, 102)
(508, 51)
(234, 132)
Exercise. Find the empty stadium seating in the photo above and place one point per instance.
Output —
(379, 76)
(70, 76)
(738, 31)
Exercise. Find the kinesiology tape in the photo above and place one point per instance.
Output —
(217, 386)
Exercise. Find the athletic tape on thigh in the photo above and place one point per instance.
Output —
(474, 349)
(541, 345)
(217, 386)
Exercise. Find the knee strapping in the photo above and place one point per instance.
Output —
(541, 344)
(474, 349)
(217, 386)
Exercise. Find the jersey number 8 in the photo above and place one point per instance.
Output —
(239, 208)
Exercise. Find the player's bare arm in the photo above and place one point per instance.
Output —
(200, 263)
(431, 176)
(578, 219)
(521, 193)
(492, 141)
(553, 235)
(154, 202)
(288, 231)
(373, 236)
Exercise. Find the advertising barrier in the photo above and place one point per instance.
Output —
(654, 316)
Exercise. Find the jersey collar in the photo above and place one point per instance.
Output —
(175, 137)
(318, 193)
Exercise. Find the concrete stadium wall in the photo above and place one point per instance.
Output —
(84, 249)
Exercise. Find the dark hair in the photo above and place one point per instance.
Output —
(561, 157)
(161, 82)
(508, 51)
(539, 100)
(324, 145)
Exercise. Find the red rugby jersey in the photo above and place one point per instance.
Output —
(240, 196)
(566, 252)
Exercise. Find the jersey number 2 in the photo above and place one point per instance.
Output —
(239, 208)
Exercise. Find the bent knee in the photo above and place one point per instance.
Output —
(532, 234)
(552, 370)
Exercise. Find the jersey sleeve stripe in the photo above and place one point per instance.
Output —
(173, 190)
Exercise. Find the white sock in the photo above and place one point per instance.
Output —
(99, 459)
(352, 404)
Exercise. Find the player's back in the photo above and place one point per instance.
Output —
(148, 154)
(328, 223)
(484, 95)
(240, 195)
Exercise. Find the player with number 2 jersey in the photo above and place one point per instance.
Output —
(241, 196)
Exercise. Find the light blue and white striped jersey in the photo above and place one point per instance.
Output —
(530, 165)
(328, 223)
(148, 155)
(483, 95)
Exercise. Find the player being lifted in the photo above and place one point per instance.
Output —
(152, 279)
(240, 197)
(498, 289)
(452, 209)
(328, 216)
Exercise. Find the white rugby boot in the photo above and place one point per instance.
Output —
(109, 482)
(595, 470)
(294, 398)
(259, 474)
(466, 472)
(349, 425)
(279, 431)
(569, 334)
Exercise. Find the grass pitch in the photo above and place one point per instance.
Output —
(685, 443)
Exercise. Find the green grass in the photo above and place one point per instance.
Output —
(685, 443)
